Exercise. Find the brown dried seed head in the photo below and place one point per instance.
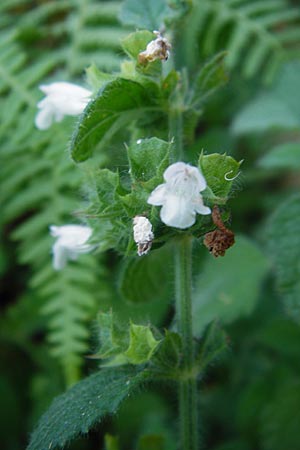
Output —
(221, 239)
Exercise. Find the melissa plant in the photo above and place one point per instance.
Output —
(152, 198)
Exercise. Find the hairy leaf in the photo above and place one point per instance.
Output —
(116, 104)
(85, 405)
(219, 172)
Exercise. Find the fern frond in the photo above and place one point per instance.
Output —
(258, 35)
(41, 42)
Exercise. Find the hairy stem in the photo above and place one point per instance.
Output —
(187, 385)
(175, 127)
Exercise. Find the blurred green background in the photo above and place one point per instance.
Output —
(250, 397)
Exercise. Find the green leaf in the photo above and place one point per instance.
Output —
(211, 77)
(276, 108)
(280, 417)
(219, 172)
(118, 103)
(142, 344)
(123, 345)
(96, 78)
(84, 405)
(212, 346)
(135, 43)
(228, 287)
(169, 352)
(145, 279)
(148, 14)
(284, 248)
(148, 159)
(113, 338)
(282, 156)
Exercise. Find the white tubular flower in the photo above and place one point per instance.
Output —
(62, 99)
(179, 195)
(159, 48)
(142, 234)
(71, 241)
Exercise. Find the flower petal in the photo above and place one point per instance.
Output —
(157, 197)
(60, 256)
(44, 119)
(176, 212)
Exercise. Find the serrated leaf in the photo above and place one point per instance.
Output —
(228, 287)
(282, 156)
(145, 279)
(113, 338)
(211, 77)
(84, 405)
(284, 249)
(148, 159)
(219, 172)
(142, 344)
(148, 14)
(135, 43)
(116, 104)
(169, 352)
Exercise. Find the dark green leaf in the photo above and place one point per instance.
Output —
(212, 345)
(148, 278)
(168, 354)
(148, 159)
(284, 248)
(117, 104)
(84, 405)
(152, 442)
(228, 287)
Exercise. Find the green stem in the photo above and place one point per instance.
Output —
(187, 385)
(176, 132)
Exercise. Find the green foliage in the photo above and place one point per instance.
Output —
(123, 345)
(208, 80)
(256, 35)
(219, 172)
(228, 288)
(40, 43)
(149, 14)
(117, 104)
(145, 279)
(276, 108)
(84, 405)
(284, 156)
(283, 245)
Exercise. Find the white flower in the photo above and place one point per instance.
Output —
(179, 195)
(71, 241)
(142, 234)
(159, 48)
(62, 99)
